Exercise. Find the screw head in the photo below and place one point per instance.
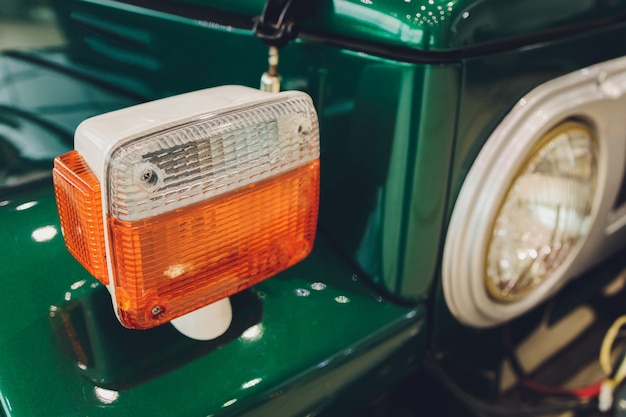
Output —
(146, 175)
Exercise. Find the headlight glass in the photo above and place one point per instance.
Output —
(545, 213)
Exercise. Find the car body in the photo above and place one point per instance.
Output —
(407, 93)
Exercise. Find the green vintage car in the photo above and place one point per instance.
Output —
(472, 211)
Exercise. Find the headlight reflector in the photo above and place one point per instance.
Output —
(544, 214)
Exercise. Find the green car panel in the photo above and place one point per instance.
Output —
(299, 339)
(437, 25)
(398, 136)
(385, 162)
(325, 332)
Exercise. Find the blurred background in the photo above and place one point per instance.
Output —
(28, 24)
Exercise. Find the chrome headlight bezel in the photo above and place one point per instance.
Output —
(595, 96)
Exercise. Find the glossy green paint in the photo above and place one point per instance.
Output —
(313, 331)
(301, 342)
(247, 8)
(491, 85)
(154, 53)
(427, 195)
(383, 201)
(389, 174)
(319, 334)
(445, 25)
(438, 25)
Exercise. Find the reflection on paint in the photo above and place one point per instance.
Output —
(8, 403)
(44, 234)
(229, 403)
(376, 21)
(26, 206)
(78, 284)
(302, 292)
(106, 396)
(253, 333)
(251, 383)
(342, 299)
(323, 364)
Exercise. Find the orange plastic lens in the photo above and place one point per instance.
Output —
(171, 264)
(79, 202)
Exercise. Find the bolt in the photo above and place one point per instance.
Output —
(157, 310)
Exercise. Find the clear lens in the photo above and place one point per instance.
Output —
(545, 213)
(211, 156)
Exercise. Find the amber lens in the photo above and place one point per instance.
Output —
(79, 202)
(173, 263)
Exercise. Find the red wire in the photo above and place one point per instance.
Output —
(589, 391)
(584, 392)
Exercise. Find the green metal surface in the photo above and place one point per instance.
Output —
(302, 341)
(319, 335)
(318, 331)
(247, 8)
(392, 164)
(383, 182)
(444, 25)
(155, 53)
(298, 341)
(396, 138)
(439, 25)
(397, 141)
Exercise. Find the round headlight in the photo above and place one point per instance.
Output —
(540, 204)
(545, 212)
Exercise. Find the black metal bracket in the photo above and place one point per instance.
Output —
(278, 25)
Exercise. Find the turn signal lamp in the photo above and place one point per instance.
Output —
(179, 203)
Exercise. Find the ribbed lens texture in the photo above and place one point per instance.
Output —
(546, 212)
(79, 201)
(211, 156)
(205, 210)
(174, 263)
